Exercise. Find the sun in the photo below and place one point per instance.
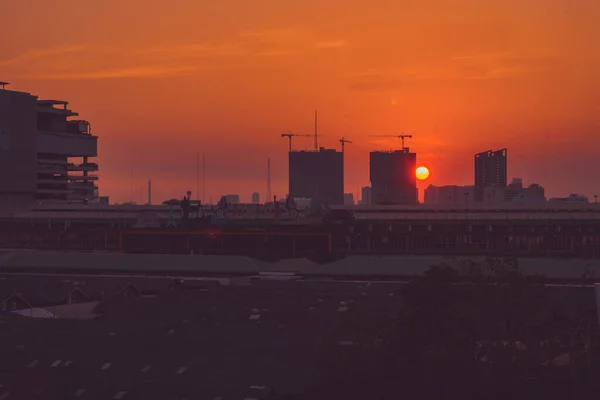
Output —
(422, 173)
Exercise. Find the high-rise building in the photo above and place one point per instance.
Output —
(255, 198)
(393, 179)
(490, 170)
(317, 175)
(45, 155)
(365, 196)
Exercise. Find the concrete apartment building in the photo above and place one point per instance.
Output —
(513, 193)
(392, 176)
(317, 175)
(45, 155)
(490, 170)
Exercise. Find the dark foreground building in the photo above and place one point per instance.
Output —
(317, 175)
(46, 156)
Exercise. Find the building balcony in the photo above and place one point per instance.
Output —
(53, 191)
(52, 181)
(93, 167)
(67, 144)
(51, 169)
(82, 185)
(51, 161)
(84, 178)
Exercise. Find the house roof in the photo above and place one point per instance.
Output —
(212, 341)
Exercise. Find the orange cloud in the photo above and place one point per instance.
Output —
(135, 72)
(41, 53)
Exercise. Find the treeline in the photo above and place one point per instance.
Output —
(500, 336)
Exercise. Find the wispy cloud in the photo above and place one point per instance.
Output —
(500, 65)
(331, 44)
(168, 59)
(198, 50)
(134, 72)
(270, 33)
(34, 54)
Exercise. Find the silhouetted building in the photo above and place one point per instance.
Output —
(365, 196)
(572, 199)
(232, 198)
(449, 195)
(514, 192)
(255, 198)
(317, 175)
(348, 199)
(393, 179)
(490, 170)
(44, 154)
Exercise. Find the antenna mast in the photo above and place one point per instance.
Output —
(197, 175)
(268, 179)
(203, 179)
(316, 133)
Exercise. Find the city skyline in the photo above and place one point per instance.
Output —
(227, 79)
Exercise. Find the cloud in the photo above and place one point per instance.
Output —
(270, 33)
(500, 65)
(331, 44)
(169, 59)
(374, 82)
(199, 50)
(34, 54)
(133, 72)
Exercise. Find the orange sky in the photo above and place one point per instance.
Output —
(161, 80)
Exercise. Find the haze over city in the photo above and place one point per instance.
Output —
(162, 81)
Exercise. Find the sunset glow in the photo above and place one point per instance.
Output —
(422, 173)
(162, 81)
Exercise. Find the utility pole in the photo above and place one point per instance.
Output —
(198, 175)
(316, 133)
(268, 179)
(131, 176)
(203, 179)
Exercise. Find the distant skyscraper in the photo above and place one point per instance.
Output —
(317, 175)
(393, 179)
(365, 196)
(490, 170)
(255, 198)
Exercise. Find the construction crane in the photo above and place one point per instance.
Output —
(344, 141)
(402, 137)
(290, 136)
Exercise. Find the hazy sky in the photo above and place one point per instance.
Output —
(162, 80)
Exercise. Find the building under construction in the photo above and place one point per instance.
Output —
(490, 170)
(392, 175)
(317, 175)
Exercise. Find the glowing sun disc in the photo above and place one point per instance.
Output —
(422, 173)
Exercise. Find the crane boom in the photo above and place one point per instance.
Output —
(343, 142)
(401, 137)
(290, 136)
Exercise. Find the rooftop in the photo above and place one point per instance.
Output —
(213, 341)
